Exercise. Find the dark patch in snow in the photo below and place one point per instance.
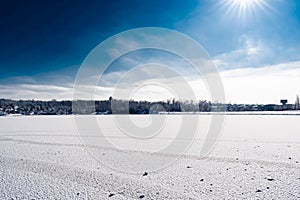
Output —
(141, 196)
(145, 174)
(111, 194)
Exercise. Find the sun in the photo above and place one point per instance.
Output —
(244, 8)
(244, 3)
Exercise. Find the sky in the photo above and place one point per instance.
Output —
(254, 44)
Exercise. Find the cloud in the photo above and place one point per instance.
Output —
(246, 74)
(267, 84)
(35, 91)
(252, 53)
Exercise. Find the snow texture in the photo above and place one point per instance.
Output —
(256, 157)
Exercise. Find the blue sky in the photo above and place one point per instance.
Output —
(43, 43)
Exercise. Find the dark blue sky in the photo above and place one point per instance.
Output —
(42, 36)
(45, 36)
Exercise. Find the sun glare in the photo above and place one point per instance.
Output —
(244, 8)
(244, 3)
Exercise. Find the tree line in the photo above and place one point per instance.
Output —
(117, 106)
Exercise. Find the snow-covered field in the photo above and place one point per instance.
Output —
(255, 157)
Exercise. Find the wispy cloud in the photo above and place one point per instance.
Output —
(251, 53)
(35, 91)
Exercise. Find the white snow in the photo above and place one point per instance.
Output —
(256, 157)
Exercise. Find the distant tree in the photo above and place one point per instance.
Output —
(297, 103)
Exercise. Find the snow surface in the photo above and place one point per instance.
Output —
(256, 157)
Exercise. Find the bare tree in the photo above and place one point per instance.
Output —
(297, 103)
